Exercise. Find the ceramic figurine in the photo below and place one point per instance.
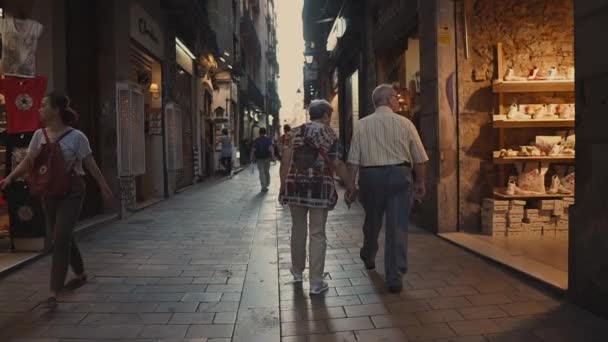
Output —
(535, 75)
(515, 114)
(510, 76)
(571, 73)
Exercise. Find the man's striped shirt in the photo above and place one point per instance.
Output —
(385, 138)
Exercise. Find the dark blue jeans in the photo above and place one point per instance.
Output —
(387, 191)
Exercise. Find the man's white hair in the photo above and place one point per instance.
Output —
(382, 94)
(318, 108)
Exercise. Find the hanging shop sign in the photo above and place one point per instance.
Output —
(146, 31)
(337, 31)
(184, 57)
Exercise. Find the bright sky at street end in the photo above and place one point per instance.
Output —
(291, 60)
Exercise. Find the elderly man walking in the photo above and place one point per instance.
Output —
(385, 148)
(308, 165)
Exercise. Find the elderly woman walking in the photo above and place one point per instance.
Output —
(312, 156)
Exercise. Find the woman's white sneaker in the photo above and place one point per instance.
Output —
(297, 277)
(319, 288)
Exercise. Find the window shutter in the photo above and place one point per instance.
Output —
(138, 143)
(130, 131)
(173, 123)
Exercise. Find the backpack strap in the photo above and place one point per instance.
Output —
(46, 135)
(48, 140)
(64, 135)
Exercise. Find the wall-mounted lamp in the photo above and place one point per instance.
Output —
(309, 55)
(154, 90)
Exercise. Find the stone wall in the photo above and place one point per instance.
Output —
(534, 33)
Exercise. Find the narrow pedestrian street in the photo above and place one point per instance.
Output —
(212, 264)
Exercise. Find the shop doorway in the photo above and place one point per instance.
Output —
(516, 137)
(146, 75)
(184, 88)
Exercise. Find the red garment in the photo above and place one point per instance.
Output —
(23, 97)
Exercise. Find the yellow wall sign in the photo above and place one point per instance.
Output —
(444, 37)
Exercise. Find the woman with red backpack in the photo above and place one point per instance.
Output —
(54, 164)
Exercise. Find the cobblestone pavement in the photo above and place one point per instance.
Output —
(212, 264)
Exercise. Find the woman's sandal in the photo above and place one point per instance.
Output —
(75, 283)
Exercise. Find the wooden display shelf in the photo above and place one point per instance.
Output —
(532, 86)
(511, 160)
(533, 123)
(501, 193)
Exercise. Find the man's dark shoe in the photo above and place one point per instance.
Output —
(368, 265)
(394, 288)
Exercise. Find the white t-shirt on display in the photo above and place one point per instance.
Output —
(19, 43)
(75, 148)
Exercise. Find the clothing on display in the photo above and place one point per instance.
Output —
(23, 97)
(19, 43)
(15, 145)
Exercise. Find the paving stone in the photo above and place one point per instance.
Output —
(439, 316)
(192, 318)
(395, 320)
(365, 310)
(475, 327)
(93, 332)
(482, 312)
(449, 303)
(126, 319)
(378, 335)
(177, 307)
(490, 299)
(429, 332)
(524, 309)
(164, 331)
(180, 272)
(225, 318)
(456, 291)
(202, 297)
(301, 328)
(349, 324)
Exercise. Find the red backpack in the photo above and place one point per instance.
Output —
(49, 175)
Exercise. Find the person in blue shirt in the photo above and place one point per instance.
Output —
(262, 153)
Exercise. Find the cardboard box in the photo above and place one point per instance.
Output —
(495, 205)
(517, 203)
(558, 210)
(543, 204)
(530, 213)
(533, 233)
(515, 217)
(515, 225)
(516, 210)
(493, 218)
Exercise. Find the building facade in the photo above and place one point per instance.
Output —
(139, 73)
(484, 82)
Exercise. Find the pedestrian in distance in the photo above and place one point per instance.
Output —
(59, 180)
(312, 157)
(262, 153)
(284, 140)
(226, 152)
(385, 148)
